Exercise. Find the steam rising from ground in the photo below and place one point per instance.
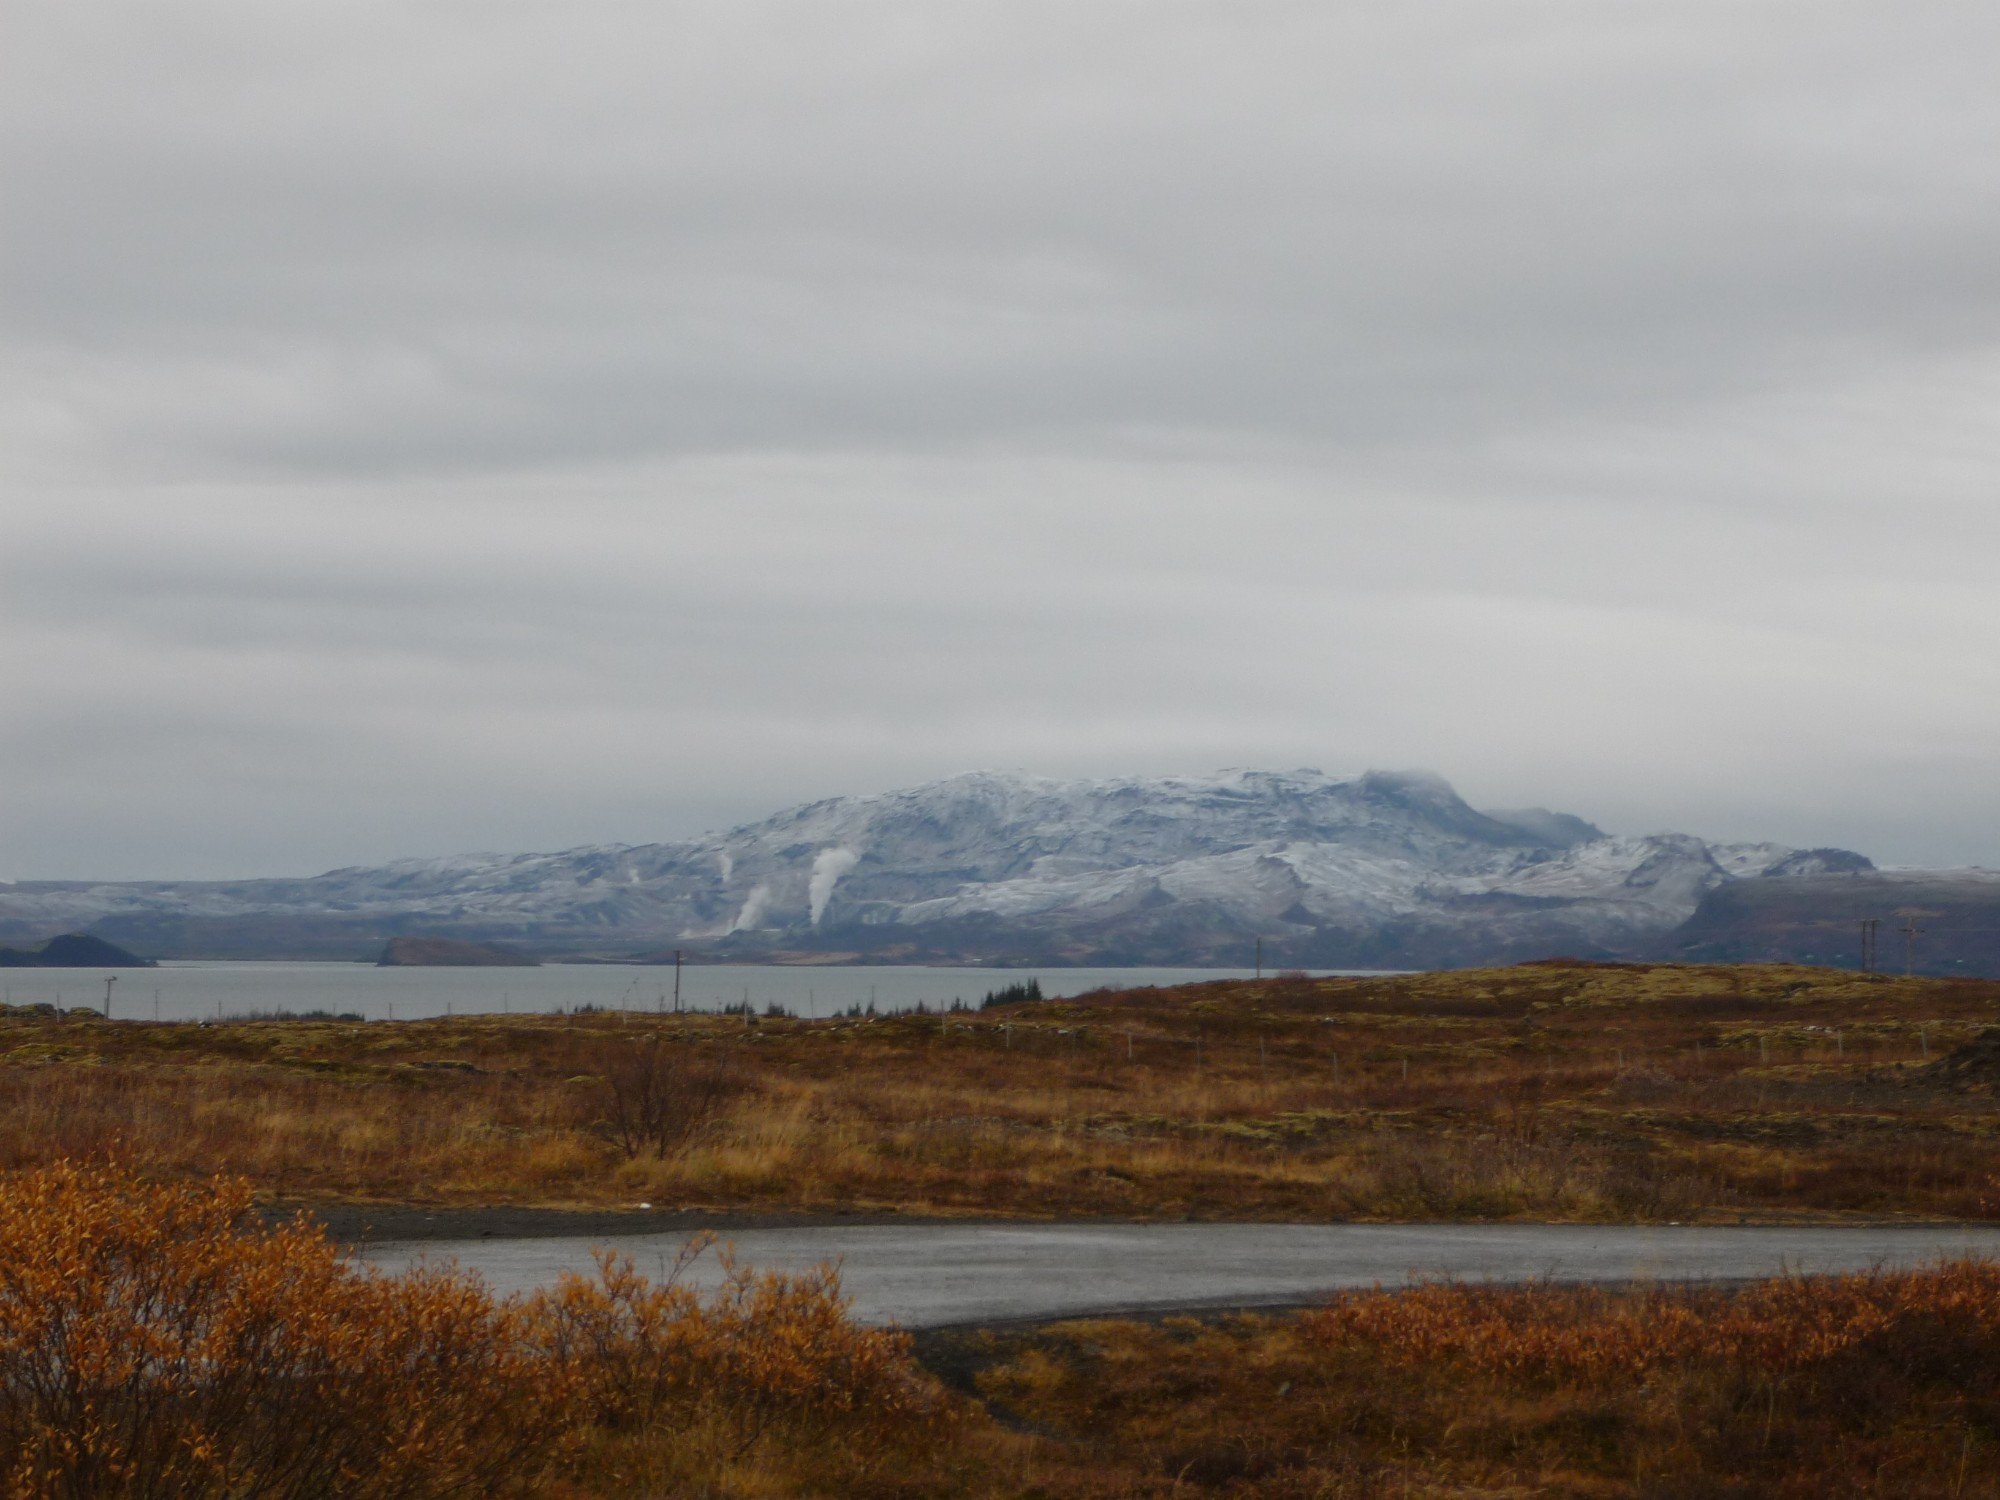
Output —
(827, 870)
(753, 909)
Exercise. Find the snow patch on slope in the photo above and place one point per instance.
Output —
(1245, 851)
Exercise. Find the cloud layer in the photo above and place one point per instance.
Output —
(457, 426)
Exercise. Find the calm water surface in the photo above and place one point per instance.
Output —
(187, 991)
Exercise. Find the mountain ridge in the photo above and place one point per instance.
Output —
(1375, 869)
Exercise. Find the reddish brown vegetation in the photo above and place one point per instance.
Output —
(159, 1340)
(152, 1345)
(1859, 1385)
(658, 1096)
(1547, 1091)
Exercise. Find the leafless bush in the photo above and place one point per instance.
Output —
(660, 1094)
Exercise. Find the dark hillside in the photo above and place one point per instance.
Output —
(1817, 920)
(73, 950)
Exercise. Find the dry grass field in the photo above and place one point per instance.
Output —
(1544, 1091)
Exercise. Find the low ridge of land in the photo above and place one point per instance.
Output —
(447, 953)
(73, 950)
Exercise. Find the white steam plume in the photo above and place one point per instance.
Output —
(753, 909)
(728, 862)
(827, 870)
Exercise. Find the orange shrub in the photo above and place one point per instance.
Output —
(760, 1352)
(157, 1339)
(1941, 1322)
(160, 1339)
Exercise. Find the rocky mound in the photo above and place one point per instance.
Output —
(1974, 1068)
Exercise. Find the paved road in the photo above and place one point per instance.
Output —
(931, 1275)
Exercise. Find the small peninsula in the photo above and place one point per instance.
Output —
(439, 952)
(73, 950)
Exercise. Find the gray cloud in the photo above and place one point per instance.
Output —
(449, 426)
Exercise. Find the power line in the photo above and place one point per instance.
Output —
(1910, 931)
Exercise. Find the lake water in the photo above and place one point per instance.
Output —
(188, 991)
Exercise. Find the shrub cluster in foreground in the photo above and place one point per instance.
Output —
(159, 1339)
(1883, 1383)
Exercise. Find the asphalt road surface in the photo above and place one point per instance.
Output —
(934, 1275)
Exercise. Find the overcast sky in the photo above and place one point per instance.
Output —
(445, 424)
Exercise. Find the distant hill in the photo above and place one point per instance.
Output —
(1380, 869)
(1816, 919)
(441, 952)
(73, 950)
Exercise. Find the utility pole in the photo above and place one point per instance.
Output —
(1260, 958)
(677, 981)
(109, 980)
(1910, 931)
(1869, 949)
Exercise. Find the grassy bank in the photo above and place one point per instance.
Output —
(1860, 1385)
(1541, 1091)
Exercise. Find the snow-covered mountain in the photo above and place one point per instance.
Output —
(1380, 868)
